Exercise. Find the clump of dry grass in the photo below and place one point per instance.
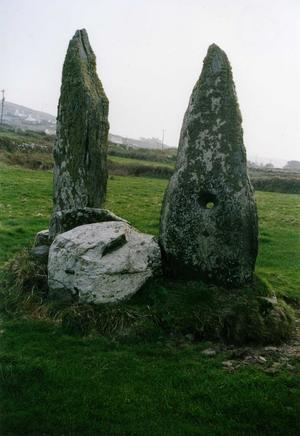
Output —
(24, 286)
(107, 319)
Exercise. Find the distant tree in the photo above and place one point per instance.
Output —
(292, 165)
(269, 165)
(252, 164)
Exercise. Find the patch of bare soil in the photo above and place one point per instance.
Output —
(271, 359)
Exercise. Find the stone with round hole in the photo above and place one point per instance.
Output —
(208, 225)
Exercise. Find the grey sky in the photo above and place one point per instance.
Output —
(149, 55)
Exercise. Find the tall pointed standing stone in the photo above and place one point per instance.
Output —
(80, 166)
(208, 220)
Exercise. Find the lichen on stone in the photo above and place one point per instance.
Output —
(217, 243)
(80, 150)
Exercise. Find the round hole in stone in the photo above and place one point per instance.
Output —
(208, 200)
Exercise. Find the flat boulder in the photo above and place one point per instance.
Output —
(101, 262)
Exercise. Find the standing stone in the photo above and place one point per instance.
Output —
(208, 223)
(80, 164)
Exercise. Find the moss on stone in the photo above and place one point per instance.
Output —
(217, 244)
(80, 151)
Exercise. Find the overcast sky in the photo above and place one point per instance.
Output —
(150, 54)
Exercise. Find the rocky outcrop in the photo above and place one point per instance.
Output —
(80, 167)
(101, 263)
(208, 220)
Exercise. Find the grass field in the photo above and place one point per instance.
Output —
(127, 161)
(59, 384)
(131, 161)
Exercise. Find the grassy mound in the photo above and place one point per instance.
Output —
(248, 315)
(251, 314)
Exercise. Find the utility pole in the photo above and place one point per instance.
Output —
(162, 139)
(2, 105)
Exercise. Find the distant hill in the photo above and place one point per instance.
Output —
(28, 119)
(151, 143)
(25, 118)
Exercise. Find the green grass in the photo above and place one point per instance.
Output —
(131, 161)
(10, 134)
(279, 249)
(55, 384)
(25, 205)
(128, 161)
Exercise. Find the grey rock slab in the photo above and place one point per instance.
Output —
(64, 220)
(102, 262)
(41, 246)
(40, 253)
(208, 226)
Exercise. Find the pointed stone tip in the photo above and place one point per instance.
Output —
(215, 49)
(216, 57)
(81, 41)
(80, 32)
(214, 45)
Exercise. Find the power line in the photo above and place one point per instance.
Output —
(162, 139)
(2, 105)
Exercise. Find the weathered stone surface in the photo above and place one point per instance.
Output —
(40, 253)
(64, 220)
(80, 164)
(101, 263)
(41, 246)
(41, 238)
(208, 221)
